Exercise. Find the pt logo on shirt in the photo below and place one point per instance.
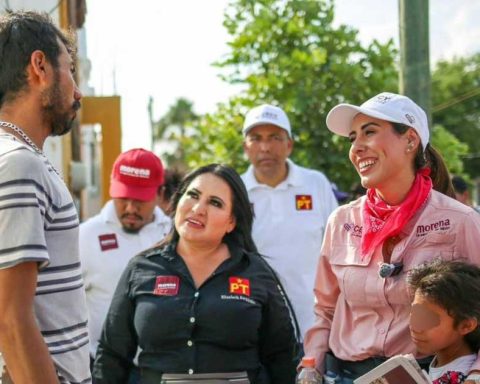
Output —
(239, 286)
(108, 241)
(303, 202)
(166, 286)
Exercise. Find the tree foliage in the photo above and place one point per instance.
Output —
(217, 137)
(451, 148)
(456, 104)
(172, 127)
(291, 54)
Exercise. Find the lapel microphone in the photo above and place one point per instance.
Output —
(390, 269)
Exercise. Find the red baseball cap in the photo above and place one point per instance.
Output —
(136, 174)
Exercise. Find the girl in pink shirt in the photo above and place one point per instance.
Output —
(406, 218)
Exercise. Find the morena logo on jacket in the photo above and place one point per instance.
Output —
(440, 225)
(166, 285)
(108, 241)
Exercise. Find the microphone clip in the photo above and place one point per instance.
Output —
(390, 269)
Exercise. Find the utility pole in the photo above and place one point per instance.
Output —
(152, 123)
(415, 79)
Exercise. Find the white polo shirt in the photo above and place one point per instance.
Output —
(105, 250)
(288, 230)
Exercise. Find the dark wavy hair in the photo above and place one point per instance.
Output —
(454, 286)
(241, 208)
(22, 33)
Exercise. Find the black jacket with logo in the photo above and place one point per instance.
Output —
(237, 320)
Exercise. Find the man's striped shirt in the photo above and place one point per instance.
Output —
(39, 222)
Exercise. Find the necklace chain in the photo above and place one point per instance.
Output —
(29, 141)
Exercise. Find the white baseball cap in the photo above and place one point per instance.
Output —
(266, 114)
(385, 106)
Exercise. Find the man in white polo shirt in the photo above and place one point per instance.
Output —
(291, 206)
(128, 224)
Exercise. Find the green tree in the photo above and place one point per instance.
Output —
(289, 53)
(172, 127)
(456, 104)
(452, 149)
(217, 138)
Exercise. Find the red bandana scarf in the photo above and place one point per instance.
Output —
(381, 221)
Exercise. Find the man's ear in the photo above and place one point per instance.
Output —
(290, 146)
(38, 67)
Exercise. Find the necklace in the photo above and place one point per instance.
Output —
(29, 141)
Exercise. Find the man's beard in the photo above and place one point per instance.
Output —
(128, 229)
(60, 121)
(131, 231)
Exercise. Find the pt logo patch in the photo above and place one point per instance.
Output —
(239, 286)
(167, 286)
(108, 241)
(303, 202)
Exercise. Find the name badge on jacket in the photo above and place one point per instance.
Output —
(166, 286)
(108, 241)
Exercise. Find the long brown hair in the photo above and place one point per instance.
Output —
(430, 158)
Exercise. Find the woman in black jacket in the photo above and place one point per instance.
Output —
(204, 301)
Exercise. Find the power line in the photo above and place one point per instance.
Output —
(456, 100)
(55, 7)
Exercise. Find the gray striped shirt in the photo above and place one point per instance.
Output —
(39, 222)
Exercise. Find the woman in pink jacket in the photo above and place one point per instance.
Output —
(405, 219)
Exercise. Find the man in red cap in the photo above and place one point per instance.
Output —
(128, 224)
